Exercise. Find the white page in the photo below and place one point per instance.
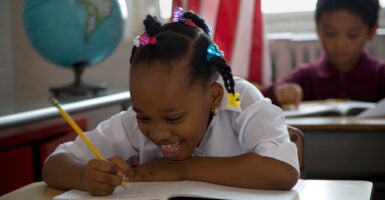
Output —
(328, 106)
(163, 190)
(135, 190)
(225, 192)
(377, 111)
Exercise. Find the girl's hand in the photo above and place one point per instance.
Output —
(159, 169)
(102, 176)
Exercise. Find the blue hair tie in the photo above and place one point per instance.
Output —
(212, 50)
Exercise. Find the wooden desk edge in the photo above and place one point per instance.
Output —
(36, 190)
(40, 190)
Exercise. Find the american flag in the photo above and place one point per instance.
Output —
(237, 28)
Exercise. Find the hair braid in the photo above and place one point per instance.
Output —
(225, 71)
(152, 25)
(197, 21)
(219, 63)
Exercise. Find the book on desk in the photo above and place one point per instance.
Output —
(335, 107)
(174, 190)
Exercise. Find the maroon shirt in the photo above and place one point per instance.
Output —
(319, 80)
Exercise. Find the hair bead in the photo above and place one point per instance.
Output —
(212, 50)
(144, 40)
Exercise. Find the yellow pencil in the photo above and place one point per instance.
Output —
(77, 129)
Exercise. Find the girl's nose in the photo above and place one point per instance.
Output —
(158, 133)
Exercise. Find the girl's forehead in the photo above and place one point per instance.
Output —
(154, 90)
(160, 67)
(147, 77)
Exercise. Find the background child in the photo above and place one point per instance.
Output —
(345, 70)
(186, 122)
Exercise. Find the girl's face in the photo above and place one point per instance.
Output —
(343, 36)
(170, 115)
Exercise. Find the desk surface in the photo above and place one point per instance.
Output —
(313, 189)
(344, 123)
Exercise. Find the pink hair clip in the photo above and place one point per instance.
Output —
(143, 40)
(178, 15)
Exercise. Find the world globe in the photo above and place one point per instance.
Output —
(75, 33)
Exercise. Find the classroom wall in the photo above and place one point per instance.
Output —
(6, 72)
(43, 74)
(22, 69)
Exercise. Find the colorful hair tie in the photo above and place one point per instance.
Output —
(212, 50)
(177, 15)
(233, 100)
(143, 40)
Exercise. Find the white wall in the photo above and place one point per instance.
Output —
(22, 69)
(33, 72)
(6, 72)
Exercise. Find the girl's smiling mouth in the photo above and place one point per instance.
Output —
(171, 150)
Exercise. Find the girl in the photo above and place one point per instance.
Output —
(189, 120)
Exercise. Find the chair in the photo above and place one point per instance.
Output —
(297, 137)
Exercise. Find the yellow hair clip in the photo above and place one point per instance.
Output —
(233, 100)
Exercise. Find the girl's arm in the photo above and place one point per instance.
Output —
(63, 171)
(98, 177)
(249, 170)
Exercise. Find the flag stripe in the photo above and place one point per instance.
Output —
(176, 3)
(227, 23)
(255, 69)
(242, 45)
(194, 5)
(209, 11)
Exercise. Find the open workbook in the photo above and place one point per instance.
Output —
(331, 107)
(186, 190)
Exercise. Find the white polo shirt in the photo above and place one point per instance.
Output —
(256, 126)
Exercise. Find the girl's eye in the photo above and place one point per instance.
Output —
(352, 35)
(174, 120)
(142, 119)
(330, 34)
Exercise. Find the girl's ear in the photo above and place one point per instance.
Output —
(216, 94)
(373, 31)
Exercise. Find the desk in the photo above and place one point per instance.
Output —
(344, 148)
(337, 123)
(313, 189)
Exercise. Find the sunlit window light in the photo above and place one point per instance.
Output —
(165, 8)
(284, 6)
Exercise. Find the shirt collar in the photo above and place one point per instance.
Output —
(326, 70)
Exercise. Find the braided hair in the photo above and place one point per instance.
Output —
(181, 44)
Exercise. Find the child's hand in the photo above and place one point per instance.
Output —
(102, 176)
(159, 169)
(290, 93)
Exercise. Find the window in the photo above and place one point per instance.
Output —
(281, 6)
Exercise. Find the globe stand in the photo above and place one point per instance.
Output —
(78, 88)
